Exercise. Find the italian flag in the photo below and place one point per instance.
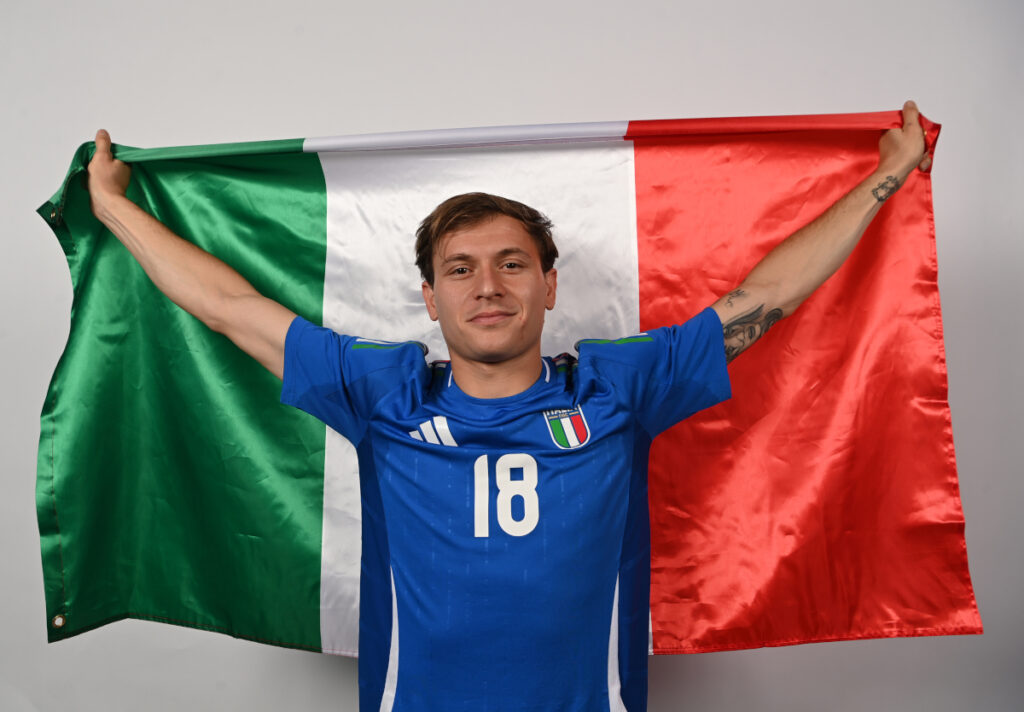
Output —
(820, 503)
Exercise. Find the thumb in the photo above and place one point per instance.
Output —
(911, 115)
(103, 142)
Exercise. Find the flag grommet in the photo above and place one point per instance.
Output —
(58, 620)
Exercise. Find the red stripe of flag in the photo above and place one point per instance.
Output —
(821, 502)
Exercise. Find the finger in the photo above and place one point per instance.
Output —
(926, 163)
(102, 142)
(911, 115)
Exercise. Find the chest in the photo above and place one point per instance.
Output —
(515, 472)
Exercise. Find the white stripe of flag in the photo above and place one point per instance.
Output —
(372, 287)
(570, 431)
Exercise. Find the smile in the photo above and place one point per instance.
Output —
(490, 317)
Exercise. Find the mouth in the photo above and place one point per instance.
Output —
(490, 318)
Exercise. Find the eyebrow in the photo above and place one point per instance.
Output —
(465, 257)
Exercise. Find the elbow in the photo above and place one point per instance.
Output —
(213, 310)
(785, 299)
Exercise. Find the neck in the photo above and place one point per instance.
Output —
(496, 380)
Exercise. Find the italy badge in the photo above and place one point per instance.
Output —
(568, 428)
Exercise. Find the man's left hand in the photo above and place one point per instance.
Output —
(902, 150)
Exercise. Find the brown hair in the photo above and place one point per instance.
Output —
(469, 209)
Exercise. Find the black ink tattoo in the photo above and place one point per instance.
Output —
(732, 295)
(747, 328)
(884, 190)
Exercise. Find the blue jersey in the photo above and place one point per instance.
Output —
(506, 552)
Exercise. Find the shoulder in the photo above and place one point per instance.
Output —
(662, 367)
(702, 331)
(309, 347)
(662, 375)
(702, 327)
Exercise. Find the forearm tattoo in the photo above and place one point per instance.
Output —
(884, 190)
(747, 328)
(732, 295)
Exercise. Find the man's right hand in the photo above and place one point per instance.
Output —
(108, 177)
(195, 280)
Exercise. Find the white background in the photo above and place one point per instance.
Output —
(211, 71)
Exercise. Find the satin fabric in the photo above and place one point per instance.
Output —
(171, 485)
(821, 502)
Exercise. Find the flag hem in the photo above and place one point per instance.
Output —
(496, 135)
(183, 624)
(782, 642)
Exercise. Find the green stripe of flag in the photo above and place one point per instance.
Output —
(145, 508)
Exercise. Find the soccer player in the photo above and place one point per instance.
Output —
(506, 563)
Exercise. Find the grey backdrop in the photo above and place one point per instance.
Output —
(202, 72)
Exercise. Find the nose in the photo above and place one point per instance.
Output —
(488, 284)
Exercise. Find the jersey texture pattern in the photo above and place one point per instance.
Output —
(506, 551)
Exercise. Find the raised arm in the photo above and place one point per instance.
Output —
(195, 280)
(788, 274)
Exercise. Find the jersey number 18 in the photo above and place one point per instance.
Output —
(508, 489)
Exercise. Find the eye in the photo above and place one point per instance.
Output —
(459, 271)
(511, 266)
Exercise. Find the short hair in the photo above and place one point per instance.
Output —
(469, 209)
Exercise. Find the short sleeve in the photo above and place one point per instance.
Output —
(341, 379)
(666, 375)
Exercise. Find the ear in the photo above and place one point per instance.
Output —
(551, 279)
(428, 299)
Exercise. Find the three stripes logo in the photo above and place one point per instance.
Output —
(568, 428)
(434, 431)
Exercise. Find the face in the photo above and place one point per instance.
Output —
(490, 292)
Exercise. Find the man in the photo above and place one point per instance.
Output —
(506, 565)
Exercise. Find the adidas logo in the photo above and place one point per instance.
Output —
(434, 431)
